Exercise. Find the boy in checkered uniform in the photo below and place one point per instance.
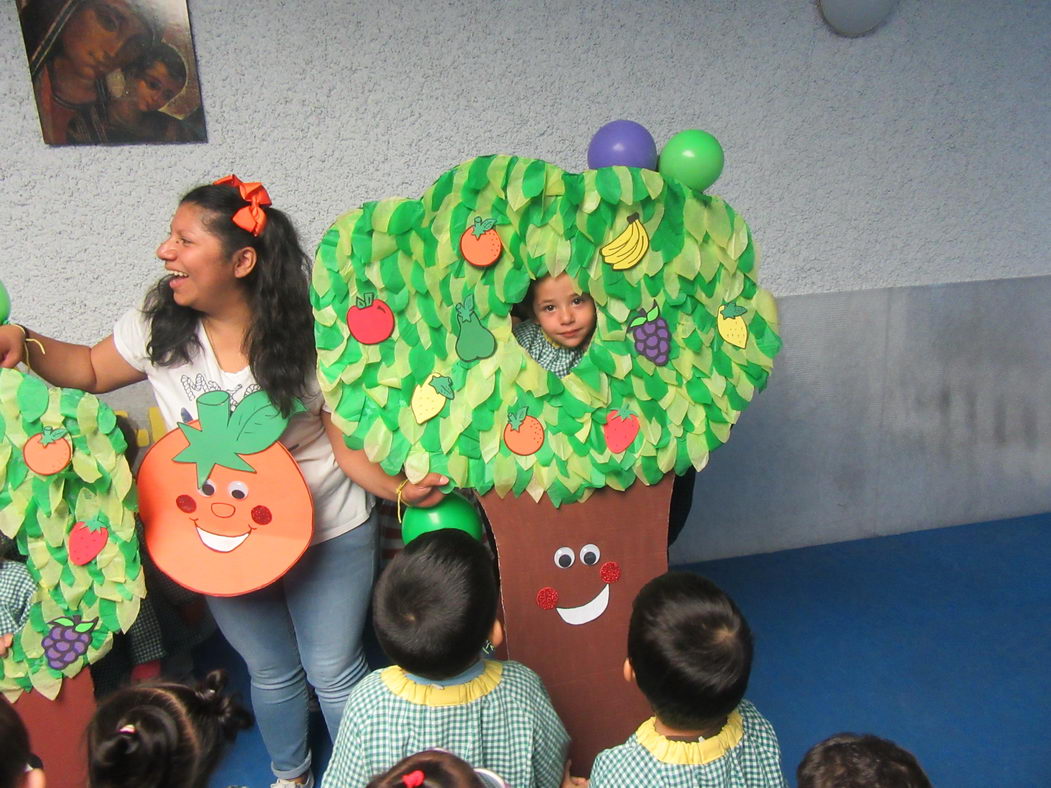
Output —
(434, 607)
(690, 651)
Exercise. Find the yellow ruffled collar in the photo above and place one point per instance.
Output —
(433, 695)
(691, 753)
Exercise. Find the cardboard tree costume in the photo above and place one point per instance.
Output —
(66, 499)
(418, 364)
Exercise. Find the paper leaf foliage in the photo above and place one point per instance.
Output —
(407, 254)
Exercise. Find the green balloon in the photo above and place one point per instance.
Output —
(454, 511)
(693, 158)
(5, 305)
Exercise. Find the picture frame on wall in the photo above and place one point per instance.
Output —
(113, 71)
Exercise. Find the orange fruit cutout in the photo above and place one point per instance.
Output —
(219, 521)
(480, 244)
(524, 434)
(48, 452)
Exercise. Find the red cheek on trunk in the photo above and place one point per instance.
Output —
(610, 572)
(547, 598)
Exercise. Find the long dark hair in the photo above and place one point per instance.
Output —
(162, 734)
(280, 340)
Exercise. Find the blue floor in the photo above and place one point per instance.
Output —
(939, 640)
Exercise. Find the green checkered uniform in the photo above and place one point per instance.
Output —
(16, 591)
(505, 723)
(754, 761)
(554, 358)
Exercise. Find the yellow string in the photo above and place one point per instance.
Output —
(26, 339)
(398, 494)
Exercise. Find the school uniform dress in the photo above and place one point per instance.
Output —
(496, 716)
(744, 754)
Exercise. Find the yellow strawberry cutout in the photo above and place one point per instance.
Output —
(732, 327)
(430, 397)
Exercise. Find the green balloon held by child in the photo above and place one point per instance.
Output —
(453, 511)
(693, 158)
(5, 304)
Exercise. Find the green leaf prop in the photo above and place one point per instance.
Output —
(701, 257)
(225, 435)
(39, 513)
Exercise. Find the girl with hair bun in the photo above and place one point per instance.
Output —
(163, 735)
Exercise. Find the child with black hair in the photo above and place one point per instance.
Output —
(19, 768)
(436, 769)
(690, 652)
(162, 734)
(850, 760)
(434, 608)
(558, 321)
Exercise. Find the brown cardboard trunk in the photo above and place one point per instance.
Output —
(581, 663)
(56, 729)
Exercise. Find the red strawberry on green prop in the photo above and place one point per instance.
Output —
(370, 320)
(620, 430)
(479, 243)
(86, 540)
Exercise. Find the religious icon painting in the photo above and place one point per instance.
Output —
(113, 71)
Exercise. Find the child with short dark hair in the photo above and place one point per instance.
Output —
(690, 652)
(434, 608)
(557, 323)
(162, 734)
(850, 760)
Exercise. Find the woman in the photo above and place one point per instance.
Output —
(232, 313)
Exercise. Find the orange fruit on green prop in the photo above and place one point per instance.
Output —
(479, 243)
(47, 452)
(524, 434)
(225, 506)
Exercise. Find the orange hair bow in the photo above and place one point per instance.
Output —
(252, 217)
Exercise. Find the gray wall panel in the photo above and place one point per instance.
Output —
(888, 411)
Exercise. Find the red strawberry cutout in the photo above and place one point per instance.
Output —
(86, 540)
(620, 430)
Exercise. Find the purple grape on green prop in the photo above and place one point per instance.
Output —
(652, 337)
(67, 641)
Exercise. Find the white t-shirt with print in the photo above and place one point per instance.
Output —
(339, 504)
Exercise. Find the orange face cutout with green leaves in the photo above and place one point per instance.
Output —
(224, 504)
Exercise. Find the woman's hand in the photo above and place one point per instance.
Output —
(12, 346)
(424, 493)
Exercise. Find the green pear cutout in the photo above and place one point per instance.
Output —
(474, 341)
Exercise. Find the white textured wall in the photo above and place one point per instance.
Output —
(916, 155)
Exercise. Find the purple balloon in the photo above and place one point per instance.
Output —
(622, 142)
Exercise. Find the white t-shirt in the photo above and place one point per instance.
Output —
(339, 504)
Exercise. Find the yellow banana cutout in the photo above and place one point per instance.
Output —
(628, 248)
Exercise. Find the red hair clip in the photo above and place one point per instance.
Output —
(251, 218)
(413, 779)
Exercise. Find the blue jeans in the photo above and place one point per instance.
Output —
(306, 627)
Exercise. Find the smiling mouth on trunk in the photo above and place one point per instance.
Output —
(585, 613)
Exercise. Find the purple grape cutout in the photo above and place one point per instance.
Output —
(652, 338)
(67, 641)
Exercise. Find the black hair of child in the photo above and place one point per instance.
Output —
(14, 746)
(162, 734)
(851, 760)
(691, 650)
(440, 769)
(434, 605)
